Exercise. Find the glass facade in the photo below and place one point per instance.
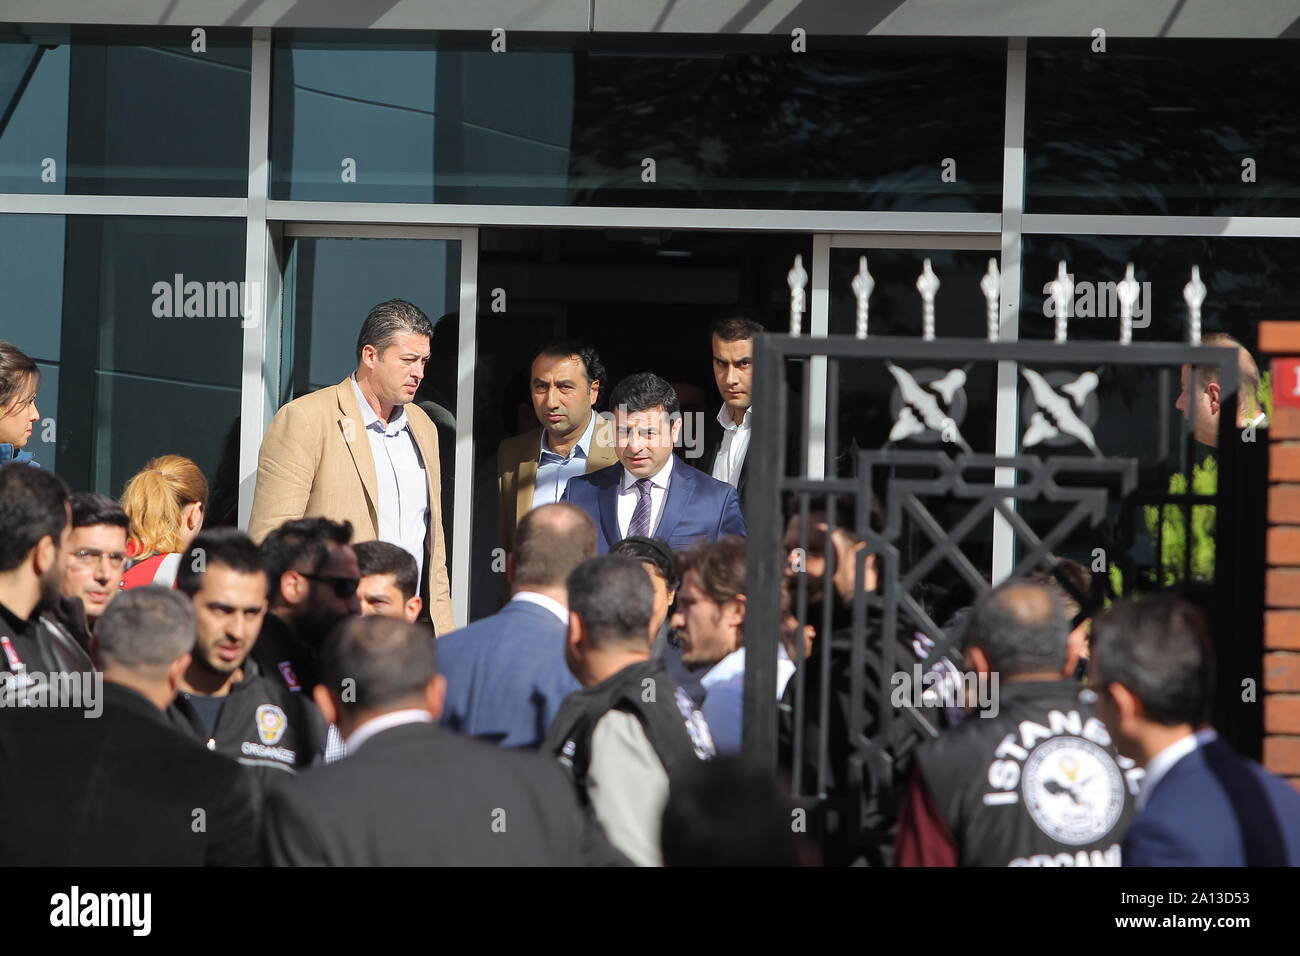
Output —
(880, 128)
(115, 115)
(756, 154)
(137, 323)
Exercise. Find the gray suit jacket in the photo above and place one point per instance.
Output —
(419, 795)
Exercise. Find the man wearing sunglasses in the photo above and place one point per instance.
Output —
(96, 552)
(312, 575)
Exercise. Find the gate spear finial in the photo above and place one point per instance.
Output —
(990, 285)
(1127, 290)
(796, 278)
(862, 284)
(927, 285)
(1194, 295)
(1062, 290)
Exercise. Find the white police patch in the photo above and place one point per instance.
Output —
(271, 723)
(1073, 790)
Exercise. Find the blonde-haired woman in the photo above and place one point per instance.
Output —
(165, 502)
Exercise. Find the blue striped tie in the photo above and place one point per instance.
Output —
(641, 516)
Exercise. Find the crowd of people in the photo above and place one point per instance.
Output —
(300, 694)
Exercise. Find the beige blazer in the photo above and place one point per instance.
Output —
(517, 472)
(315, 461)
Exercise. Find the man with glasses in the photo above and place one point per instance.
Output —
(313, 577)
(96, 553)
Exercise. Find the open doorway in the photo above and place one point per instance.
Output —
(643, 298)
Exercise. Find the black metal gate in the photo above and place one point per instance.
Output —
(1066, 492)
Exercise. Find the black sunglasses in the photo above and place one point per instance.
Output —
(344, 588)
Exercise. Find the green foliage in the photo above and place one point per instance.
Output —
(1172, 521)
(1265, 394)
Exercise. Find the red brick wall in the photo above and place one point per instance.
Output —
(1282, 585)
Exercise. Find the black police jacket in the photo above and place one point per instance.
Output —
(1039, 784)
(674, 728)
(262, 724)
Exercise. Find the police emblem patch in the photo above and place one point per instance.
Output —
(271, 723)
(1073, 790)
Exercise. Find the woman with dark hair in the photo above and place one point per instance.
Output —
(19, 380)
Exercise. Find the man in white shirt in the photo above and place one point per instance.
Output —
(710, 620)
(726, 438)
(648, 493)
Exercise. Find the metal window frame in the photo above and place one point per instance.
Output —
(463, 497)
(270, 220)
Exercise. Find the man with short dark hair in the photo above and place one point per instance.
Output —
(1201, 804)
(630, 725)
(390, 581)
(710, 618)
(650, 493)
(123, 789)
(364, 453)
(35, 523)
(727, 436)
(225, 700)
(312, 577)
(410, 793)
(96, 552)
(533, 469)
(1034, 779)
(506, 674)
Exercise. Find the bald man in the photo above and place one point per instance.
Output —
(506, 674)
(1034, 779)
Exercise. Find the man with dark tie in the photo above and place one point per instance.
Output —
(649, 492)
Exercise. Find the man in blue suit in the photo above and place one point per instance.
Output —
(649, 492)
(506, 674)
(1200, 804)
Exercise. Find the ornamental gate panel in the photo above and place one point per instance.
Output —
(1105, 473)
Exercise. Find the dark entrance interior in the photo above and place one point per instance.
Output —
(643, 298)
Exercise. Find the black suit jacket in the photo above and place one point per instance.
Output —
(120, 789)
(420, 795)
(713, 435)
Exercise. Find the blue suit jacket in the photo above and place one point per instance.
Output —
(1214, 808)
(506, 675)
(698, 508)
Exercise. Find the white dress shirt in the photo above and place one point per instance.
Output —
(628, 497)
(1164, 761)
(402, 481)
(541, 600)
(735, 443)
(384, 722)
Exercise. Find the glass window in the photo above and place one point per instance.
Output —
(1169, 127)
(137, 114)
(136, 323)
(854, 125)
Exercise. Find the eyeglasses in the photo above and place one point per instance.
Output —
(89, 557)
(344, 588)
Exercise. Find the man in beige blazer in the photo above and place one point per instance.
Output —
(319, 455)
(533, 468)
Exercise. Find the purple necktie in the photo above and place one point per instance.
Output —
(641, 516)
